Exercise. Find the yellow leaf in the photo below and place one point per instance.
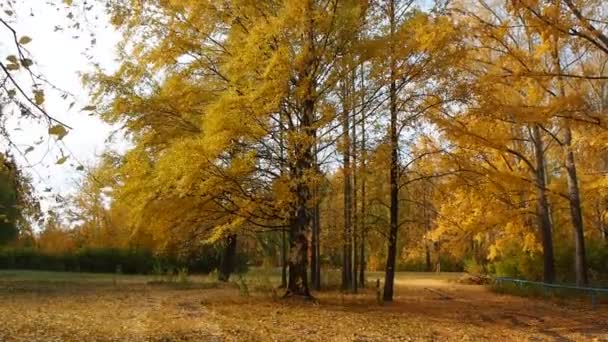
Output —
(39, 97)
(59, 130)
(24, 40)
(61, 160)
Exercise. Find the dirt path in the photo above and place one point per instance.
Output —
(424, 310)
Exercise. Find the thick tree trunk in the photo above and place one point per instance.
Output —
(389, 277)
(580, 259)
(228, 259)
(300, 216)
(542, 208)
(298, 279)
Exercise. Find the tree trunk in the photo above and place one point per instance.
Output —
(354, 190)
(576, 213)
(283, 259)
(389, 277)
(315, 267)
(298, 279)
(580, 261)
(542, 208)
(601, 222)
(347, 244)
(300, 216)
(425, 218)
(228, 258)
(317, 249)
(362, 170)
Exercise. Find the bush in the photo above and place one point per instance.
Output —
(515, 263)
(83, 260)
(471, 266)
(448, 264)
(106, 260)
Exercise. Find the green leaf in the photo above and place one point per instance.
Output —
(12, 66)
(24, 40)
(9, 13)
(28, 150)
(68, 2)
(80, 168)
(12, 93)
(59, 130)
(89, 108)
(61, 160)
(12, 58)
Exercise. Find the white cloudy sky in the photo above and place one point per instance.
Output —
(60, 58)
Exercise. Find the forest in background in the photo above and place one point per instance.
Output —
(352, 134)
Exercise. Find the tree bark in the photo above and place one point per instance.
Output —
(300, 216)
(580, 259)
(347, 190)
(228, 259)
(542, 208)
(425, 218)
(315, 267)
(362, 170)
(283, 259)
(354, 189)
(389, 277)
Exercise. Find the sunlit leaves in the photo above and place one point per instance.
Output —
(39, 96)
(61, 160)
(25, 40)
(59, 131)
(12, 66)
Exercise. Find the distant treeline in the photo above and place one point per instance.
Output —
(110, 260)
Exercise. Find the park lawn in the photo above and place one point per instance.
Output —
(53, 306)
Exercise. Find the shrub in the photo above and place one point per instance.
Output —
(471, 266)
(106, 260)
(516, 263)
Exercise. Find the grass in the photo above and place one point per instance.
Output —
(52, 306)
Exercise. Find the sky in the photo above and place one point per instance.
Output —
(60, 58)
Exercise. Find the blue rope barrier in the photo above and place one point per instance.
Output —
(592, 291)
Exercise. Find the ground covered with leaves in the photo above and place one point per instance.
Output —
(80, 307)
